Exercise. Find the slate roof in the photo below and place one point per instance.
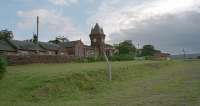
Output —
(5, 46)
(69, 44)
(49, 46)
(25, 45)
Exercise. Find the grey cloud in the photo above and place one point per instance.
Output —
(169, 33)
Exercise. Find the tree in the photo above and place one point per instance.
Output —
(59, 39)
(54, 41)
(126, 47)
(149, 50)
(6, 34)
(35, 38)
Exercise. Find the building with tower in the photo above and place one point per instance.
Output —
(95, 49)
(69, 48)
(97, 38)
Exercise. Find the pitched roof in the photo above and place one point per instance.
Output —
(97, 29)
(108, 45)
(25, 45)
(162, 54)
(69, 44)
(49, 46)
(5, 46)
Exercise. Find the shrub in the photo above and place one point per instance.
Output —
(148, 57)
(123, 57)
(89, 59)
(95, 59)
(3, 65)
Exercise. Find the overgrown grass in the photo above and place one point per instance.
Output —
(3, 65)
(134, 83)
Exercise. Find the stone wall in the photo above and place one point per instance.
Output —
(30, 59)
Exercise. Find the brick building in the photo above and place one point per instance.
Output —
(6, 48)
(71, 48)
(97, 47)
(97, 38)
(16, 47)
(74, 48)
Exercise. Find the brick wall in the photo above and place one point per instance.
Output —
(30, 59)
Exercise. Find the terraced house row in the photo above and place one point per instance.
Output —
(70, 48)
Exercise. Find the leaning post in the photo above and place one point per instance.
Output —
(109, 67)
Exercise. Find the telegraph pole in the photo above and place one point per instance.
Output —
(37, 33)
(37, 26)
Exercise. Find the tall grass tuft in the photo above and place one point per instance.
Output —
(3, 64)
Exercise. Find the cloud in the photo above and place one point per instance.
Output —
(170, 33)
(114, 13)
(63, 2)
(52, 24)
(147, 21)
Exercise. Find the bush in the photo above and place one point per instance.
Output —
(89, 59)
(148, 57)
(95, 59)
(3, 65)
(123, 57)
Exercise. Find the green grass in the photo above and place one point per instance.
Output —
(143, 83)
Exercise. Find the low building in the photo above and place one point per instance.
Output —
(16, 47)
(89, 51)
(6, 48)
(74, 48)
(109, 49)
(161, 56)
(52, 49)
(26, 47)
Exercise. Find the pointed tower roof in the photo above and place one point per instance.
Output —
(97, 29)
(97, 26)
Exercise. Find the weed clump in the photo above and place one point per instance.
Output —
(3, 65)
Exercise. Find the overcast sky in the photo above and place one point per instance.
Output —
(170, 25)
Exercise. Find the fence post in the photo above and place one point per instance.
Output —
(109, 66)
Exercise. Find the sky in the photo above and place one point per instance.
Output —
(169, 25)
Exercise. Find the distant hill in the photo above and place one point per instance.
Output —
(188, 56)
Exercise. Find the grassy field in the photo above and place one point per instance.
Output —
(135, 83)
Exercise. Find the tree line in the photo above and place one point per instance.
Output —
(128, 48)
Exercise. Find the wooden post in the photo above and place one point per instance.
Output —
(109, 67)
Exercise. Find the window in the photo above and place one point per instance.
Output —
(94, 40)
